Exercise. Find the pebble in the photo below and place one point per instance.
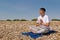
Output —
(10, 30)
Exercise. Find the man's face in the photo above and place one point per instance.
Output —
(42, 13)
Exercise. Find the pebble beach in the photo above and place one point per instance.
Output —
(11, 30)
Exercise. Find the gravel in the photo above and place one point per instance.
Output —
(11, 30)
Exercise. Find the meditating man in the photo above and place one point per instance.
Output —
(42, 24)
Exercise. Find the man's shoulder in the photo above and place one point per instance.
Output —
(46, 15)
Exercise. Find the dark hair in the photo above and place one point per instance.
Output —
(43, 9)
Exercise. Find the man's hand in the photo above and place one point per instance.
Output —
(37, 24)
(41, 21)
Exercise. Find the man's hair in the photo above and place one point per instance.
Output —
(43, 9)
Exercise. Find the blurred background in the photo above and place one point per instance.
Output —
(28, 9)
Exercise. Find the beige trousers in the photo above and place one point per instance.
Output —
(39, 29)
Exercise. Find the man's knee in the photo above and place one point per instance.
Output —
(42, 31)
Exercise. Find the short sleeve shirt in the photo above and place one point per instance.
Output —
(45, 19)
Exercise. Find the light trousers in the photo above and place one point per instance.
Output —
(41, 29)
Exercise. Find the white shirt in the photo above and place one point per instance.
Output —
(45, 19)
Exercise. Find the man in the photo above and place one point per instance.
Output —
(42, 25)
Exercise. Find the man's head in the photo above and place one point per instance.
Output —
(42, 11)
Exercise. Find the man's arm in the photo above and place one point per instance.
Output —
(46, 24)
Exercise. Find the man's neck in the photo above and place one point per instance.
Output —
(42, 15)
